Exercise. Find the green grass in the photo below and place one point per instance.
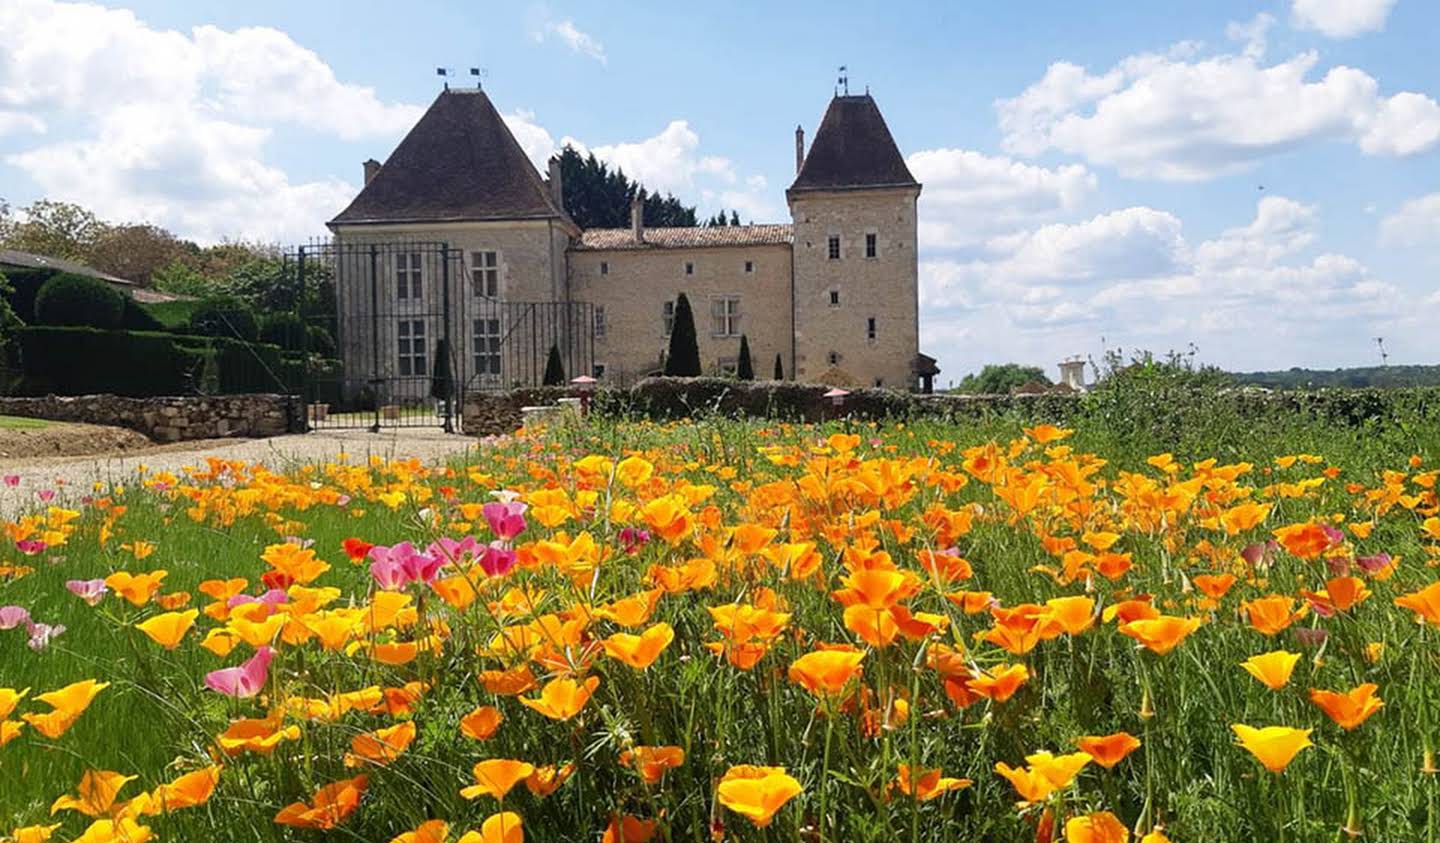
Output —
(21, 423)
(156, 719)
(173, 315)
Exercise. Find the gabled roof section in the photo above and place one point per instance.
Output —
(459, 163)
(853, 149)
(695, 237)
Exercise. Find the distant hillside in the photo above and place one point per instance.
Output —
(1384, 377)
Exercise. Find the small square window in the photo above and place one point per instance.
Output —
(871, 246)
(834, 298)
(834, 247)
(833, 358)
(870, 328)
(749, 266)
(597, 371)
(689, 268)
(604, 267)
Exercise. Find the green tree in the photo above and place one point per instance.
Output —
(182, 279)
(225, 316)
(55, 229)
(744, 369)
(554, 368)
(599, 197)
(683, 359)
(779, 368)
(135, 252)
(9, 323)
(999, 379)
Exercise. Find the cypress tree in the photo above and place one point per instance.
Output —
(744, 369)
(554, 368)
(683, 359)
(442, 383)
(779, 368)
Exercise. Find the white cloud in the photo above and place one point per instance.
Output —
(1248, 297)
(532, 137)
(1172, 116)
(573, 37)
(15, 122)
(1415, 223)
(1254, 34)
(173, 126)
(1341, 18)
(970, 196)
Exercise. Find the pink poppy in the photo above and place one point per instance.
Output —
(12, 480)
(91, 591)
(632, 539)
(46, 495)
(497, 560)
(41, 634)
(506, 520)
(30, 547)
(244, 681)
(13, 616)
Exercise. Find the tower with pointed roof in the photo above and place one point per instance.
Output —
(855, 278)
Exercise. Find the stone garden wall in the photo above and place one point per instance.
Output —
(165, 419)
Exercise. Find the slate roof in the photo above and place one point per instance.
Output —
(853, 149)
(459, 163)
(10, 257)
(698, 237)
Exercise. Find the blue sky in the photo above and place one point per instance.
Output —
(1093, 172)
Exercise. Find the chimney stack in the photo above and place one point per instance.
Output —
(637, 218)
(556, 183)
(799, 148)
(372, 169)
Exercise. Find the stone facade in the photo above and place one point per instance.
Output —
(733, 290)
(166, 419)
(856, 313)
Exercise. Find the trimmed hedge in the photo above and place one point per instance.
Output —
(136, 318)
(82, 361)
(80, 301)
(25, 283)
(225, 317)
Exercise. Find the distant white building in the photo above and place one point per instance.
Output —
(1072, 373)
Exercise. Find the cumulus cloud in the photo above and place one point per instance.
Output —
(173, 126)
(1415, 223)
(1249, 297)
(1341, 18)
(1177, 117)
(970, 196)
(567, 33)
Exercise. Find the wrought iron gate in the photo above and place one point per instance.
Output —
(398, 332)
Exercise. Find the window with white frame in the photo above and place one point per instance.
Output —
(485, 343)
(834, 247)
(408, 276)
(725, 316)
(485, 273)
(667, 315)
(870, 328)
(599, 321)
(410, 338)
(872, 247)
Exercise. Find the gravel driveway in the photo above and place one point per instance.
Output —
(72, 477)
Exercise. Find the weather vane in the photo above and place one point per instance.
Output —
(445, 73)
(844, 81)
(479, 73)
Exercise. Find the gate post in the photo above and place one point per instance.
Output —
(306, 376)
(375, 380)
(445, 331)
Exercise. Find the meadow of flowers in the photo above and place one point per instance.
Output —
(732, 631)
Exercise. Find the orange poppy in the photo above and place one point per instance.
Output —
(1272, 669)
(481, 723)
(380, 746)
(1425, 603)
(329, 807)
(826, 672)
(1160, 634)
(1108, 750)
(639, 651)
(496, 776)
(628, 829)
(169, 629)
(1350, 708)
(651, 762)
(756, 792)
(1271, 615)
(1273, 746)
(1215, 586)
(562, 699)
(1100, 827)
(930, 784)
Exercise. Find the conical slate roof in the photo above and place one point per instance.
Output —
(459, 163)
(853, 148)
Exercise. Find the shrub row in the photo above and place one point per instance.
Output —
(81, 361)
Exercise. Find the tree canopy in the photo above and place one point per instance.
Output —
(999, 379)
(597, 196)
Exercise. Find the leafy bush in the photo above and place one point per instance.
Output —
(1000, 379)
(290, 332)
(249, 367)
(80, 301)
(224, 316)
(173, 316)
(82, 361)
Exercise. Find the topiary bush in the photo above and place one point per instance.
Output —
(78, 301)
(223, 316)
(83, 361)
(136, 318)
(283, 329)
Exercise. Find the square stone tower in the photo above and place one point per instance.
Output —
(856, 293)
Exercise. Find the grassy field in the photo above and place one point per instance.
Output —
(20, 423)
(747, 631)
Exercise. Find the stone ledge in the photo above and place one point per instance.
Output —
(167, 418)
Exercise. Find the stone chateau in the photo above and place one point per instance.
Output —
(833, 292)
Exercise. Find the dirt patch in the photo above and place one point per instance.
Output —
(63, 439)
